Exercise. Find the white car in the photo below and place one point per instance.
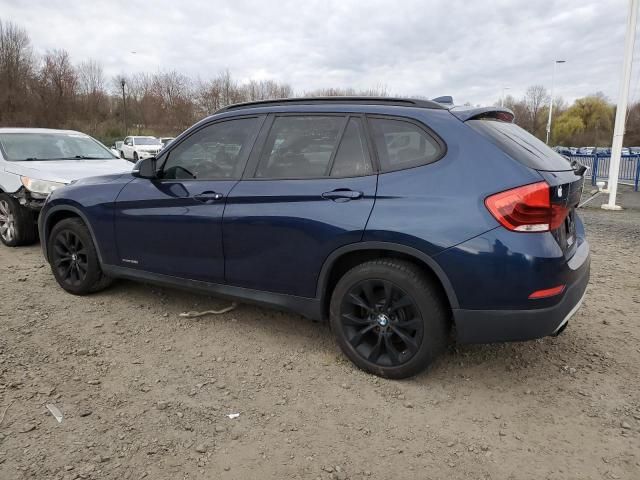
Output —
(135, 148)
(36, 161)
(166, 141)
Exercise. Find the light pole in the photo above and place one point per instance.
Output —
(621, 110)
(124, 105)
(553, 79)
(502, 96)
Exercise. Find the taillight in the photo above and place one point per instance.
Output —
(527, 208)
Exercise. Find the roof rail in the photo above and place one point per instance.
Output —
(391, 101)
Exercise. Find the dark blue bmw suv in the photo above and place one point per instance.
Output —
(397, 220)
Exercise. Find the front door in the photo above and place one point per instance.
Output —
(309, 192)
(172, 225)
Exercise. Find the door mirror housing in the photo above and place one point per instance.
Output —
(145, 168)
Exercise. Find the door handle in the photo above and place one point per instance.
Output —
(342, 194)
(208, 197)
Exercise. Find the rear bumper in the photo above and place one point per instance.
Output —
(486, 326)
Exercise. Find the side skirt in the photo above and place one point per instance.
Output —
(307, 307)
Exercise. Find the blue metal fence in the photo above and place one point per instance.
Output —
(599, 168)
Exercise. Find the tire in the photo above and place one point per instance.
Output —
(122, 154)
(389, 318)
(135, 156)
(17, 223)
(73, 258)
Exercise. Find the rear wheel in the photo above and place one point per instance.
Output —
(388, 318)
(17, 223)
(74, 259)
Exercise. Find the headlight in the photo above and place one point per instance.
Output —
(42, 187)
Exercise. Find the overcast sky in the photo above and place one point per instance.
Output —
(468, 49)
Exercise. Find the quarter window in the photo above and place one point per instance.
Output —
(216, 152)
(352, 158)
(300, 147)
(403, 144)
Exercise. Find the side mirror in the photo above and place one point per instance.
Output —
(115, 152)
(145, 168)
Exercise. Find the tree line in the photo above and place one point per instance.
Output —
(52, 91)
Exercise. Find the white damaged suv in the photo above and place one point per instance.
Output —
(36, 161)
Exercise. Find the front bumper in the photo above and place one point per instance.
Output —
(29, 200)
(486, 326)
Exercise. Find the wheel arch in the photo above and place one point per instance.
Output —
(57, 214)
(345, 258)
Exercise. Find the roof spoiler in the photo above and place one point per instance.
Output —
(479, 113)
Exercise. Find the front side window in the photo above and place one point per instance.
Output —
(403, 144)
(52, 146)
(300, 147)
(215, 152)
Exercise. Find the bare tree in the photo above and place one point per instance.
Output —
(57, 84)
(16, 72)
(93, 102)
(536, 99)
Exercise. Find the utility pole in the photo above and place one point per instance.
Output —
(621, 111)
(553, 79)
(124, 106)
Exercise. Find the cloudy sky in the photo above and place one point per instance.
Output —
(468, 49)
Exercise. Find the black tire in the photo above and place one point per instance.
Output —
(389, 318)
(73, 258)
(17, 223)
(122, 154)
(135, 156)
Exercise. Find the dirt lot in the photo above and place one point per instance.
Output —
(146, 393)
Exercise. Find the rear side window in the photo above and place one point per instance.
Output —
(521, 145)
(300, 147)
(403, 144)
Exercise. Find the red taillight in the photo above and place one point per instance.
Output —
(527, 208)
(547, 292)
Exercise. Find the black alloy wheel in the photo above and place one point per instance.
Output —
(389, 317)
(381, 322)
(69, 258)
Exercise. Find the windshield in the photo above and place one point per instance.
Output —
(51, 146)
(521, 145)
(146, 141)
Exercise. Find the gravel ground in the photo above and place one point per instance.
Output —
(146, 393)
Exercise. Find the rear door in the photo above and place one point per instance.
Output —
(308, 190)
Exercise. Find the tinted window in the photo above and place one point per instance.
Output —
(214, 152)
(300, 147)
(521, 145)
(403, 144)
(352, 158)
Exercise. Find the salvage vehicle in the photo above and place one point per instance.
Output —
(397, 220)
(135, 148)
(36, 161)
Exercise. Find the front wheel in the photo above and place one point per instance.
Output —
(388, 318)
(135, 156)
(17, 223)
(74, 259)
